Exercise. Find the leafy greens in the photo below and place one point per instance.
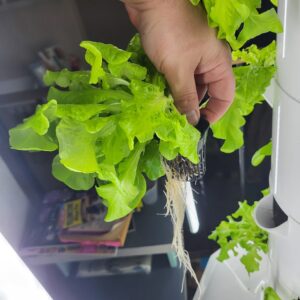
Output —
(110, 125)
(241, 231)
(261, 154)
(252, 80)
(270, 294)
(239, 21)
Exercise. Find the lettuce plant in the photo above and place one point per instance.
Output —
(270, 294)
(261, 154)
(109, 125)
(241, 231)
(238, 22)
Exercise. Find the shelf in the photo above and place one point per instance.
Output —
(153, 235)
(163, 283)
(21, 98)
(8, 5)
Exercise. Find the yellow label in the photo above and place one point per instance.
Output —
(72, 213)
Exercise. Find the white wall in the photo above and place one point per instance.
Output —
(14, 206)
(26, 29)
(106, 21)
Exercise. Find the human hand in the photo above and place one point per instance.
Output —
(177, 39)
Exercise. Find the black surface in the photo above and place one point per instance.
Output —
(278, 214)
(106, 21)
(32, 170)
(16, 161)
(152, 226)
(202, 125)
(163, 283)
(218, 194)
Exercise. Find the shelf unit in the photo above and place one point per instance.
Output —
(163, 283)
(152, 235)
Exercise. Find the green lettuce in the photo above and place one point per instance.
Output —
(36, 132)
(126, 185)
(265, 192)
(238, 21)
(274, 2)
(195, 2)
(67, 79)
(261, 154)
(111, 126)
(151, 162)
(75, 180)
(270, 294)
(241, 231)
(252, 80)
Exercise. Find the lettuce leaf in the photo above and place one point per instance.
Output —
(115, 149)
(270, 294)
(195, 2)
(240, 230)
(261, 154)
(125, 186)
(76, 146)
(75, 180)
(128, 70)
(109, 125)
(264, 57)
(32, 134)
(110, 53)
(81, 112)
(274, 2)
(238, 21)
(151, 162)
(93, 57)
(258, 24)
(87, 96)
(67, 79)
(26, 139)
(265, 192)
(258, 73)
(157, 117)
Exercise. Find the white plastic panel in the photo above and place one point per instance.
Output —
(288, 43)
(14, 206)
(16, 280)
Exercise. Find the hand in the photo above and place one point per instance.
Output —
(177, 39)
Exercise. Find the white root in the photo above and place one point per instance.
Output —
(175, 206)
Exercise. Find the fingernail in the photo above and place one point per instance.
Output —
(193, 117)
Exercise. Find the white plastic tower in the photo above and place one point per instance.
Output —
(280, 269)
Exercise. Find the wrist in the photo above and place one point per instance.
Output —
(143, 12)
(143, 5)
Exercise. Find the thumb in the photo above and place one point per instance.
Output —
(183, 89)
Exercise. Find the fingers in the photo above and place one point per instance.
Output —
(184, 92)
(221, 87)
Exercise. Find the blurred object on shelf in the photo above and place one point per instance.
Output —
(151, 194)
(82, 221)
(73, 222)
(115, 266)
(53, 58)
